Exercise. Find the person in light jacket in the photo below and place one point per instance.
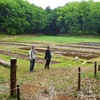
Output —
(32, 57)
(47, 57)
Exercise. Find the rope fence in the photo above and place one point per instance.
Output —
(79, 74)
(16, 88)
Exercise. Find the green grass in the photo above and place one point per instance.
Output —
(61, 75)
(50, 39)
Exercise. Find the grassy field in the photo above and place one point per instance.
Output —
(51, 39)
(62, 76)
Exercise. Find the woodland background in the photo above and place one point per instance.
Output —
(75, 18)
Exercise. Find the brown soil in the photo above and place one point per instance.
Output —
(83, 52)
(22, 56)
(62, 97)
(31, 89)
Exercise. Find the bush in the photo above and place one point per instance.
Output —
(11, 31)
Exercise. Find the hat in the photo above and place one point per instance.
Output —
(48, 46)
(33, 46)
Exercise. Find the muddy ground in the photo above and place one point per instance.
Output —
(82, 50)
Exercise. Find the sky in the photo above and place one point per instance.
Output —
(52, 3)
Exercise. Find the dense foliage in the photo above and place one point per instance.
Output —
(75, 18)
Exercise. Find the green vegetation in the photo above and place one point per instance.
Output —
(50, 39)
(62, 76)
(75, 18)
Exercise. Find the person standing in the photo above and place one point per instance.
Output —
(32, 57)
(47, 57)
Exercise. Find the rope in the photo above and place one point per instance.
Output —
(7, 91)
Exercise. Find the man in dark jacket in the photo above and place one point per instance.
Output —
(47, 57)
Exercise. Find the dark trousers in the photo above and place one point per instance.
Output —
(32, 63)
(47, 63)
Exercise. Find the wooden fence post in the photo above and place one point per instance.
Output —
(95, 69)
(79, 78)
(18, 92)
(98, 67)
(13, 62)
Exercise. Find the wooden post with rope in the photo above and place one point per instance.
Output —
(95, 69)
(18, 92)
(79, 78)
(98, 67)
(13, 62)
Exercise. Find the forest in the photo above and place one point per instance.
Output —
(74, 18)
